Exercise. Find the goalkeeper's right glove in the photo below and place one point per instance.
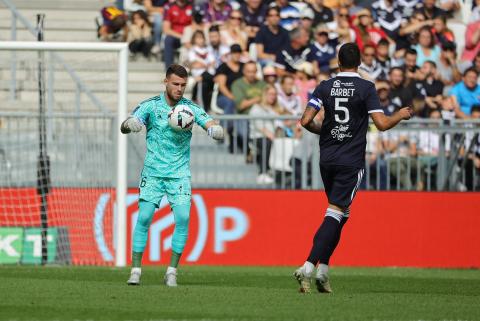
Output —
(134, 124)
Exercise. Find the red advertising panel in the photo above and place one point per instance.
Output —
(250, 227)
(86, 213)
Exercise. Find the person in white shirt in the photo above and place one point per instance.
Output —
(287, 96)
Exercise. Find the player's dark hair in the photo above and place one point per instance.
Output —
(349, 56)
(178, 70)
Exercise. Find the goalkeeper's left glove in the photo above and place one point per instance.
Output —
(216, 132)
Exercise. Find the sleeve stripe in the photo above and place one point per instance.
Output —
(376, 111)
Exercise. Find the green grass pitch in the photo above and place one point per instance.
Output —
(236, 293)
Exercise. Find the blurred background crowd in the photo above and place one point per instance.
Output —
(264, 58)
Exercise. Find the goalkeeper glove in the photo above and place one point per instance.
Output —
(216, 132)
(134, 124)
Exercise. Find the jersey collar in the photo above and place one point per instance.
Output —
(348, 74)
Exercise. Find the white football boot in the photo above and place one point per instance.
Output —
(170, 277)
(322, 282)
(135, 276)
(303, 279)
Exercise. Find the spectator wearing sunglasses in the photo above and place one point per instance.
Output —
(233, 31)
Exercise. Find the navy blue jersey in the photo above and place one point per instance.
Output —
(348, 100)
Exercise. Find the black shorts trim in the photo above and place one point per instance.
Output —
(341, 183)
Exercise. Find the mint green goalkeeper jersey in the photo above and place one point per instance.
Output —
(168, 151)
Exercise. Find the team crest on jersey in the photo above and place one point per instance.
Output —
(340, 132)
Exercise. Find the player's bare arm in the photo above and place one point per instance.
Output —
(309, 121)
(383, 122)
(131, 124)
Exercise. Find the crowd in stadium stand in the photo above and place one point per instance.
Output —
(266, 57)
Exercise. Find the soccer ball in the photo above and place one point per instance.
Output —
(181, 118)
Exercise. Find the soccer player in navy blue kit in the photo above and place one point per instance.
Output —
(348, 101)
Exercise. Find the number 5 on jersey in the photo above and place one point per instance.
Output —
(341, 111)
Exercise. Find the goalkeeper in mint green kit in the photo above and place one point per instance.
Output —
(166, 168)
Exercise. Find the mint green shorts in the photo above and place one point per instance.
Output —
(178, 190)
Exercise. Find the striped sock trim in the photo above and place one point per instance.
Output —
(347, 213)
(334, 214)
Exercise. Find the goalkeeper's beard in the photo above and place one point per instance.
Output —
(173, 99)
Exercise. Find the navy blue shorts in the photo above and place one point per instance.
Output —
(341, 183)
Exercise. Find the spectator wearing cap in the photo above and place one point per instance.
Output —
(426, 47)
(305, 82)
(369, 65)
(322, 13)
(306, 18)
(271, 37)
(322, 51)
(155, 9)
(430, 10)
(467, 92)
(219, 50)
(254, 13)
(472, 40)
(177, 17)
(389, 16)
(447, 65)
(233, 30)
(294, 53)
(269, 75)
(216, 11)
(366, 32)
(289, 15)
